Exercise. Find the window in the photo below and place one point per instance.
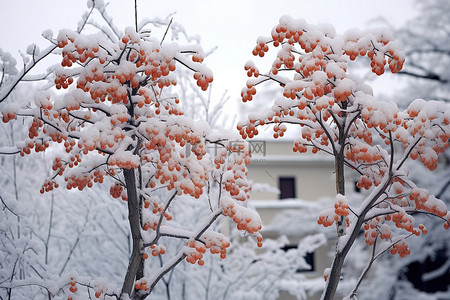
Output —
(287, 187)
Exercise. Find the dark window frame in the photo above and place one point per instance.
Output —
(286, 185)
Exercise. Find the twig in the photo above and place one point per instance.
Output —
(167, 29)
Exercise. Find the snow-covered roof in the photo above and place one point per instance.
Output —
(299, 158)
(282, 204)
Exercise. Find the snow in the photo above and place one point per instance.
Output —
(292, 158)
(162, 159)
(285, 204)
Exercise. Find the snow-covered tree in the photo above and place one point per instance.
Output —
(117, 121)
(425, 40)
(339, 115)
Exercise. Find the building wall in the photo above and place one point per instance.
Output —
(314, 173)
(314, 179)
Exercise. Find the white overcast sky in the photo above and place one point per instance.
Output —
(233, 25)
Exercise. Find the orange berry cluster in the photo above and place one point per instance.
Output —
(285, 57)
(251, 70)
(328, 217)
(244, 217)
(299, 147)
(203, 81)
(377, 226)
(150, 221)
(234, 159)
(358, 132)
(379, 51)
(326, 220)
(342, 95)
(235, 186)
(260, 49)
(361, 154)
(385, 231)
(139, 64)
(370, 232)
(74, 160)
(364, 182)
(215, 244)
(197, 57)
(196, 252)
(141, 284)
(150, 225)
(157, 250)
(317, 72)
(401, 248)
(248, 131)
(78, 181)
(68, 143)
(62, 81)
(8, 116)
(219, 160)
(73, 285)
(98, 293)
(426, 203)
(418, 122)
(247, 93)
(116, 190)
(122, 163)
(58, 166)
(279, 130)
(196, 249)
(280, 33)
(118, 119)
(48, 186)
(34, 127)
(404, 221)
(341, 206)
(37, 145)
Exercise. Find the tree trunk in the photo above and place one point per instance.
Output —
(133, 219)
(338, 261)
(341, 252)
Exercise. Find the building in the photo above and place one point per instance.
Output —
(287, 182)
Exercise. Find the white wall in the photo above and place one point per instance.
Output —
(314, 173)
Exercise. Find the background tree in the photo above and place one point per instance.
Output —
(117, 120)
(427, 51)
(339, 115)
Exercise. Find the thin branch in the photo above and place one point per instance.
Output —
(366, 269)
(161, 217)
(167, 29)
(74, 245)
(32, 64)
(428, 75)
(7, 207)
(49, 229)
(108, 21)
(442, 190)
(165, 268)
(135, 15)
